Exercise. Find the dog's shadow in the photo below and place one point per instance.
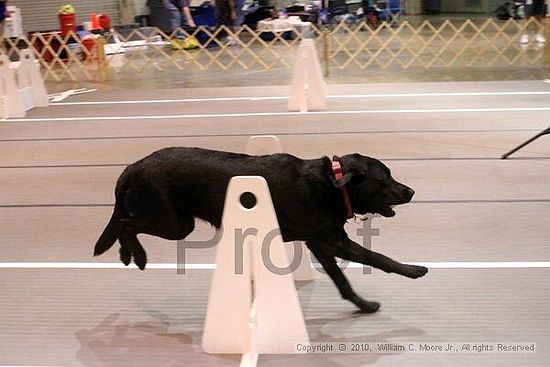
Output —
(151, 342)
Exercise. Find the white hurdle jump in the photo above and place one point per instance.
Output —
(242, 318)
(21, 86)
(270, 144)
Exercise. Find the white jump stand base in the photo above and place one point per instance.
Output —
(244, 318)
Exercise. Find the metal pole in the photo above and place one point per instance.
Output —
(543, 132)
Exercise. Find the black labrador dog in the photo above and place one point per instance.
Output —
(161, 195)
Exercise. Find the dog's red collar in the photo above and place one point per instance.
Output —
(338, 174)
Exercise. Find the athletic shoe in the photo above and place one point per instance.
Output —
(524, 39)
(540, 38)
(230, 41)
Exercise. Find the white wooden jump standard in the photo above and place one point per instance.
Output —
(270, 144)
(308, 90)
(242, 318)
(30, 82)
(11, 104)
(21, 86)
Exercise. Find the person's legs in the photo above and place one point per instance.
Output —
(528, 9)
(539, 9)
(3, 13)
(223, 13)
(2, 50)
(239, 12)
(533, 8)
(167, 19)
(224, 17)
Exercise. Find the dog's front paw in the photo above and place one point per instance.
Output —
(368, 307)
(413, 271)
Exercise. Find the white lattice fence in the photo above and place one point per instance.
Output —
(468, 43)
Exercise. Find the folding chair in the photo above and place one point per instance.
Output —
(388, 10)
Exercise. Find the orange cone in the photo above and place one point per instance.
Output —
(95, 21)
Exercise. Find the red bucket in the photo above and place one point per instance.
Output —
(67, 23)
(104, 22)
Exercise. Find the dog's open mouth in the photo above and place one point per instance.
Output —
(387, 211)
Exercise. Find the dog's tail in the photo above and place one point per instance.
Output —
(111, 232)
(109, 235)
(115, 229)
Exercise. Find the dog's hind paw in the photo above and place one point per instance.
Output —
(140, 257)
(125, 256)
(413, 271)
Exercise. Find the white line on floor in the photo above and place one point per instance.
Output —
(273, 98)
(172, 266)
(265, 114)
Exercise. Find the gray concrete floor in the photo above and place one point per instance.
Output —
(59, 165)
(176, 79)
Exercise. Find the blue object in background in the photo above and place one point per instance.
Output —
(2, 10)
(204, 15)
(324, 16)
(240, 13)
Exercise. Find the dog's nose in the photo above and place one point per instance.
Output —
(409, 193)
